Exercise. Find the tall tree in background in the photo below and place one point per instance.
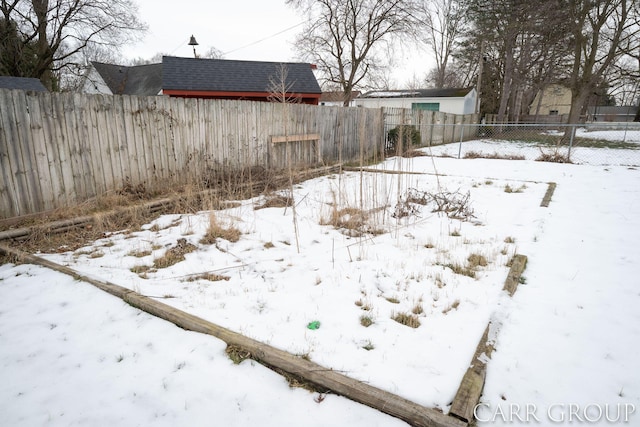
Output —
(603, 33)
(444, 22)
(526, 46)
(46, 37)
(344, 37)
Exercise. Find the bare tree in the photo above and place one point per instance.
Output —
(455, 75)
(212, 53)
(444, 22)
(344, 37)
(280, 92)
(525, 46)
(59, 30)
(603, 32)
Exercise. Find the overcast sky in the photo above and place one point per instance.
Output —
(259, 30)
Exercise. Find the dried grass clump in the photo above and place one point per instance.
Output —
(417, 309)
(366, 321)
(554, 156)
(453, 306)
(414, 153)
(211, 277)
(349, 218)
(139, 253)
(217, 231)
(510, 189)
(477, 260)
(460, 269)
(237, 354)
(495, 155)
(406, 319)
(275, 201)
(174, 255)
(350, 221)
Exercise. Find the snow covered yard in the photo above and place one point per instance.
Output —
(568, 336)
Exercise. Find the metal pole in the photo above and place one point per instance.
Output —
(573, 132)
(461, 135)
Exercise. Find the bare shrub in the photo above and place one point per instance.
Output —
(454, 204)
(553, 156)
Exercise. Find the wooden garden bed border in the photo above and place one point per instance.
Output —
(394, 405)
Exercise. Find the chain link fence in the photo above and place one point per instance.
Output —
(604, 143)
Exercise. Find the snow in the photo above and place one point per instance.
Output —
(72, 355)
(532, 151)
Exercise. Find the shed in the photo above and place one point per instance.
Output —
(22, 83)
(454, 100)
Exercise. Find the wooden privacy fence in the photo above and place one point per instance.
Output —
(60, 149)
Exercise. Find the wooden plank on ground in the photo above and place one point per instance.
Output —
(358, 391)
(547, 196)
(518, 264)
(470, 389)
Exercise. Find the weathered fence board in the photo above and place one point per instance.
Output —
(59, 150)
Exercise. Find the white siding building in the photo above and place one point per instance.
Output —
(453, 101)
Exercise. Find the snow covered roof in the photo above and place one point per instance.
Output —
(418, 93)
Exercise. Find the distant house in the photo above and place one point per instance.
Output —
(336, 99)
(554, 100)
(610, 113)
(455, 101)
(22, 83)
(110, 79)
(205, 78)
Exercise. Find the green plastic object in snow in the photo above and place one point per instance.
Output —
(314, 325)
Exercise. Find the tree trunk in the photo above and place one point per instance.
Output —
(508, 77)
(43, 70)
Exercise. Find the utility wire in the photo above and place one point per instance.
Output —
(265, 38)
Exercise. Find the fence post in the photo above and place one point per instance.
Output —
(626, 127)
(573, 132)
(461, 136)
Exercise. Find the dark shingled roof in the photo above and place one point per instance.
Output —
(22, 83)
(135, 80)
(418, 93)
(223, 75)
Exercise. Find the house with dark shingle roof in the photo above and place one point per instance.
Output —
(22, 83)
(454, 100)
(111, 79)
(204, 78)
(231, 79)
